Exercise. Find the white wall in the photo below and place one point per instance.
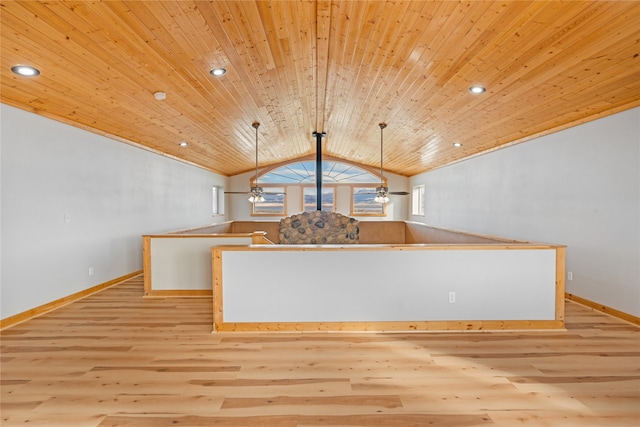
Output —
(240, 209)
(579, 187)
(416, 287)
(111, 192)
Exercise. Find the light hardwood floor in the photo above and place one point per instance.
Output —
(117, 359)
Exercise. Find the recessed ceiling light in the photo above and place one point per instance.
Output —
(25, 70)
(160, 96)
(218, 72)
(457, 144)
(183, 144)
(477, 89)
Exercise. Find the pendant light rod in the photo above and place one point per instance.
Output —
(256, 125)
(382, 126)
(382, 191)
(256, 190)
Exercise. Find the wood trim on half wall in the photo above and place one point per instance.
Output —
(383, 325)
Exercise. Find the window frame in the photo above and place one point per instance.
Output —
(333, 188)
(215, 202)
(373, 187)
(418, 192)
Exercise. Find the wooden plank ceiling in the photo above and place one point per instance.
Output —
(339, 67)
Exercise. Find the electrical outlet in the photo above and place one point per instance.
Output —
(570, 275)
(67, 217)
(90, 271)
(452, 297)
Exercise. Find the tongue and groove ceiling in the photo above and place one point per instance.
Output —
(340, 67)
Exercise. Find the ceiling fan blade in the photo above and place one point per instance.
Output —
(249, 192)
(395, 193)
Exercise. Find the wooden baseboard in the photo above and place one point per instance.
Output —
(603, 308)
(45, 308)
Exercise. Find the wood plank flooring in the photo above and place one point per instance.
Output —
(118, 359)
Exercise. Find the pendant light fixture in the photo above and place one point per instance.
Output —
(256, 192)
(382, 192)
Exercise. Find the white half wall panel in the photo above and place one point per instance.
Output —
(388, 285)
(185, 263)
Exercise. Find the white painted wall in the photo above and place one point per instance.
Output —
(240, 209)
(415, 287)
(112, 193)
(579, 187)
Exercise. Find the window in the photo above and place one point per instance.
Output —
(363, 203)
(417, 200)
(273, 202)
(305, 172)
(336, 176)
(310, 201)
(215, 192)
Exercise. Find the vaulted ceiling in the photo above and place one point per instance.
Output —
(340, 67)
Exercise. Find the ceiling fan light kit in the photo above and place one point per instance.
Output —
(381, 196)
(256, 195)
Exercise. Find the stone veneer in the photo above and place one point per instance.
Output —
(318, 227)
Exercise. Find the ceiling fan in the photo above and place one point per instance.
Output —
(256, 193)
(382, 192)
